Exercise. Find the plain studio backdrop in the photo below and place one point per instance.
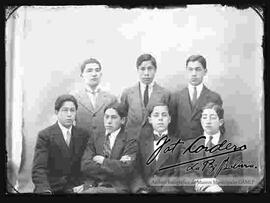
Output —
(46, 45)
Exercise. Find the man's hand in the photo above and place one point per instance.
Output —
(125, 158)
(214, 188)
(99, 159)
(202, 184)
(78, 189)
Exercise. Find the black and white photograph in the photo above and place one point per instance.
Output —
(145, 100)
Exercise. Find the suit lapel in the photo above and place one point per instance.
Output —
(200, 101)
(136, 93)
(74, 142)
(162, 158)
(59, 139)
(155, 95)
(220, 158)
(186, 101)
(99, 142)
(118, 144)
(85, 101)
(199, 143)
(147, 151)
(100, 101)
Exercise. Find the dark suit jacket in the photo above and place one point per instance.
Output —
(185, 120)
(137, 112)
(91, 118)
(56, 167)
(112, 171)
(145, 172)
(234, 158)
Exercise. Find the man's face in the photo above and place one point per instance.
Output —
(196, 72)
(210, 121)
(146, 72)
(160, 118)
(66, 114)
(112, 120)
(92, 74)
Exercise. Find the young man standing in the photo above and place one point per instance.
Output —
(186, 104)
(139, 98)
(91, 98)
(58, 152)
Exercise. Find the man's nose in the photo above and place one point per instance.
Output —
(69, 113)
(109, 120)
(194, 72)
(146, 72)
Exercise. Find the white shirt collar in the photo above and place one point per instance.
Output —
(64, 129)
(162, 134)
(114, 133)
(113, 136)
(89, 90)
(150, 86)
(215, 138)
(198, 87)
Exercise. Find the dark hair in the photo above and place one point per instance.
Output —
(118, 107)
(151, 108)
(63, 98)
(88, 61)
(146, 57)
(220, 112)
(199, 58)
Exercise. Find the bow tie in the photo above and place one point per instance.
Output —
(156, 137)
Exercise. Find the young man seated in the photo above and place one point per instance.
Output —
(58, 152)
(157, 149)
(109, 158)
(217, 156)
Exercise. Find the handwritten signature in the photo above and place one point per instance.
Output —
(220, 149)
(212, 165)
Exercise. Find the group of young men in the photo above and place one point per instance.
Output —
(102, 145)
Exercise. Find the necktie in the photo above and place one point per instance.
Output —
(145, 96)
(93, 96)
(94, 99)
(68, 136)
(208, 170)
(156, 137)
(194, 97)
(107, 147)
(210, 143)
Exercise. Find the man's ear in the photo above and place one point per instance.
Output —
(56, 112)
(221, 122)
(123, 120)
(201, 122)
(150, 120)
(169, 119)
